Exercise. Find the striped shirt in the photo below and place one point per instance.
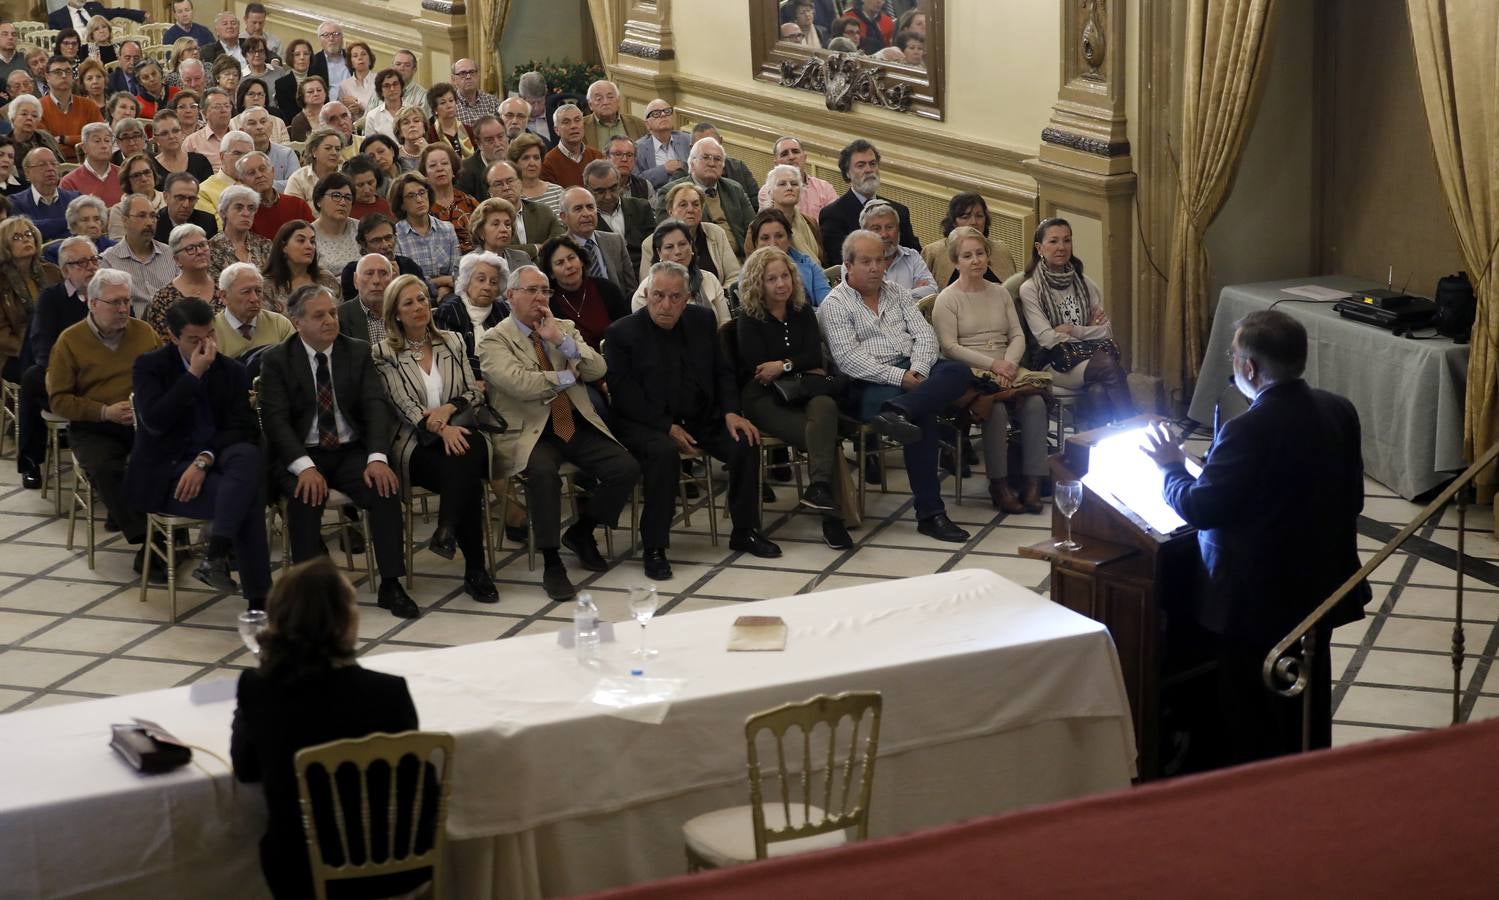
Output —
(147, 275)
(867, 345)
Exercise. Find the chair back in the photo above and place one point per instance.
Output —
(335, 780)
(846, 780)
(834, 275)
(1036, 357)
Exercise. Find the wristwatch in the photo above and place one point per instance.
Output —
(785, 365)
(201, 463)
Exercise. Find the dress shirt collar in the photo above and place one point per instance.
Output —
(234, 322)
(110, 341)
(575, 157)
(862, 199)
(87, 164)
(312, 354)
(37, 197)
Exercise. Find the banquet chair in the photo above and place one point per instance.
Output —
(10, 408)
(376, 761)
(52, 463)
(82, 502)
(792, 822)
(796, 460)
(154, 30)
(411, 494)
(164, 524)
(700, 477)
(1062, 399)
(570, 491)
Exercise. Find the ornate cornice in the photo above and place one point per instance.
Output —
(446, 7)
(645, 51)
(842, 79)
(1084, 143)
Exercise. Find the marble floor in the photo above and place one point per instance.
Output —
(69, 633)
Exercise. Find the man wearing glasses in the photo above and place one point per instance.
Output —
(148, 261)
(661, 156)
(473, 104)
(330, 62)
(45, 204)
(181, 192)
(620, 152)
(64, 118)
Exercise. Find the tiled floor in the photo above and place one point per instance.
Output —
(69, 633)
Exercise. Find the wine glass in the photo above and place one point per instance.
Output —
(643, 601)
(1068, 496)
(250, 624)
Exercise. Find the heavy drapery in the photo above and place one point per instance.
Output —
(1223, 71)
(487, 20)
(1456, 61)
(606, 28)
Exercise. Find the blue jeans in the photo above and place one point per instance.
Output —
(944, 384)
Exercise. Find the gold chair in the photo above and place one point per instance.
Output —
(83, 501)
(570, 492)
(702, 481)
(52, 465)
(153, 31)
(411, 495)
(163, 523)
(1061, 398)
(10, 413)
(383, 755)
(159, 52)
(793, 822)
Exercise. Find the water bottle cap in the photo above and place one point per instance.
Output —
(637, 671)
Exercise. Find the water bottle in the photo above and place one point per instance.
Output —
(586, 628)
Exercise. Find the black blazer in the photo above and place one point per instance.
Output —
(1276, 509)
(120, 80)
(288, 398)
(840, 218)
(637, 377)
(59, 18)
(274, 720)
(405, 265)
(213, 51)
(198, 217)
(285, 93)
(640, 221)
(54, 312)
(452, 315)
(166, 402)
(473, 176)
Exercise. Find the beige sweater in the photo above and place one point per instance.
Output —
(979, 328)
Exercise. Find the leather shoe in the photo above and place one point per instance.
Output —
(819, 496)
(582, 543)
(31, 479)
(942, 528)
(1003, 497)
(893, 424)
(1030, 494)
(444, 542)
(516, 533)
(394, 598)
(872, 470)
(555, 582)
(835, 535)
(656, 566)
(215, 574)
(478, 584)
(754, 543)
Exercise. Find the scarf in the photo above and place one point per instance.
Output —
(1064, 295)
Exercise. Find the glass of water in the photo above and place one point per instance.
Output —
(1068, 496)
(251, 622)
(643, 602)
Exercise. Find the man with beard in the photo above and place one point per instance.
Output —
(860, 164)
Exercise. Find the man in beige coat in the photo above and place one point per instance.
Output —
(535, 368)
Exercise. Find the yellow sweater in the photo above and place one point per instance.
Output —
(84, 375)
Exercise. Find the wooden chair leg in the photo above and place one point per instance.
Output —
(146, 556)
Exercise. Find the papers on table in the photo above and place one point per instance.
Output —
(1119, 468)
(1316, 292)
(758, 633)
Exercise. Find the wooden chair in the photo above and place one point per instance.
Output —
(159, 52)
(153, 31)
(10, 413)
(791, 821)
(82, 502)
(52, 464)
(376, 759)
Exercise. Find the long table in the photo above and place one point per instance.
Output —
(995, 699)
(1409, 393)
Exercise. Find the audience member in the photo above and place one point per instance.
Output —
(876, 27)
(859, 162)
(89, 384)
(385, 153)
(732, 168)
(257, 123)
(23, 275)
(63, 113)
(149, 262)
(563, 164)
(905, 267)
(603, 254)
(430, 242)
(428, 382)
(620, 151)
(490, 147)
(415, 94)
(606, 119)
(121, 108)
(253, 94)
(197, 450)
(25, 117)
(11, 181)
(237, 242)
(364, 181)
(235, 146)
(330, 63)
(411, 135)
(275, 209)
(297, 62)
(293, 265)
(189, 247)
(966, 208)
(770, 228)
(320, 158)
(11, 59)
(226, 43)
(244, 324)
(377, 234)
(359, 88)
(184, 26)
(45, 204)
(533, 356)
(525, 154)
(878, 337)
(784, 183)
(218, 108)
(363, 317)
(312, 94)
(171, 157)
(535, 223)
(85, 217)
(473, 104)
(724, 201)
(93, 81)
(515, 113)
(588, 301)
(711, 245)
(475, 306)
(619, 214)
(389, 99)
(532, 88)
(439, 163)
(492, 226)
(672, 242)
(181, 192)
(339, 116)
(185, 70)
(136, 177)
(335, 232)
(661, 156)
(76, 15)
(254, 24)
(151, 92)
(327, 424)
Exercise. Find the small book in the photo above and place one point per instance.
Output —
(758, 633)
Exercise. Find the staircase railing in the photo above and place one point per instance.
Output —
(1288, 674)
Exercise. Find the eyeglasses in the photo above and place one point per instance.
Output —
(86, 262)
(621, 154)
(464, 73)
(342, 197)
(660, 113)
(193, 248)
(413, 195)
(710, 158)
(330, 34)
(533, 290)
(119, 303)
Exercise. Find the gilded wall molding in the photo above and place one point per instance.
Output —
(843, 79)
(1084, 143)
(645, 51)
(445, 7)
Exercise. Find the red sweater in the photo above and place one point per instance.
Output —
(558, 169)
(269, 218)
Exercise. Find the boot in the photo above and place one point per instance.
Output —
(1003, 496)
(1030, 494)
(1100, 379)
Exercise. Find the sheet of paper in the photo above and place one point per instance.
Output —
(1316, 292)
(758, 633)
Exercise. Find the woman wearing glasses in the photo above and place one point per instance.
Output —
(25, 275)
(137, 176)
(337, 233)
(430, 242)
(189, 246)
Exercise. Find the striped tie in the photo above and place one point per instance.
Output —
(562, 405)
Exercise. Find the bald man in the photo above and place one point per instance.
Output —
(473, 104)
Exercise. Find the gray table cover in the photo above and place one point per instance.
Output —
(1409, 393)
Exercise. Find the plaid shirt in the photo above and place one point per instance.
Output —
(436, 252)
(483, 105)
(866, 345)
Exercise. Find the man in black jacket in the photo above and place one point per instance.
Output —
(860, 164)
(1276, 508)
(197, 449)
(327, 425)
(672, 392)
(76, 13)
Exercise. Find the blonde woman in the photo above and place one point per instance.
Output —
(23, 275)
(492, 226)
(320, 158)
(98, 36)
(411, 134)
(183, 49)
(428, 381)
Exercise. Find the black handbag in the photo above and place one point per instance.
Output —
(1067, 355)
(794, 390)
(147, 748)
(478, 417)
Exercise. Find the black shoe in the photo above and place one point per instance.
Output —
(767, 493)
(872, 470)
(754, 543)
(394, 598)
(355, 540)
(158, 565)
(691, 490)
(942, 528)
(819, 496)
(893, 424)
(215, 574)
(31, 477)
(581, 542)
(110, 525)
(555, 582)
(517, 533)
(656, 566)
(478, 584)
(780, 474)
(970, 455)
(444, 542)
(835, 535)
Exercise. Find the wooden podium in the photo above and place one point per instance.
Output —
(1128, 577)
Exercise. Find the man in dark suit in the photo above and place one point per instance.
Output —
(197, 449)
(625, 216)
(535, 223)
(365, 312)
(605, 254)
(76, 15)
(181, 192)
(227, 40)
(491, 144)
(327, 425)
(331, 63)
(860, 164)
(123, 76)
(672, 392)
(1276, 508)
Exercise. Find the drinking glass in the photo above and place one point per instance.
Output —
(1068, 496)
(250, 624)
(643, 601)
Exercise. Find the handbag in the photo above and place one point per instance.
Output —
(1068, 355)
(794, 390)
(477, 417)
(147, 748)
(1025, 383)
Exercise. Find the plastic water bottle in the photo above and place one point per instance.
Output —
(586, 628)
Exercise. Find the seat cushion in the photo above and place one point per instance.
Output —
(726, 837)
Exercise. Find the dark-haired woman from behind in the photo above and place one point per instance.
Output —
(309, 690)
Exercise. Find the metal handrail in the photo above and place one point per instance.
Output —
(1289, 675)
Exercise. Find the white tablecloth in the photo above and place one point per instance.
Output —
(994, 698)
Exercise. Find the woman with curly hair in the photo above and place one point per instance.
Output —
(23, 275)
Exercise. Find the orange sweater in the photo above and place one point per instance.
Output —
(558, 169)
(67, 127)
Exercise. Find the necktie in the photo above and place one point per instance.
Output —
(247, 331)
(562, 406)
(327, 424)
(712, 192)
(595, 260)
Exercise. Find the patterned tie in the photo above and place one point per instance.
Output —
(246, 331)
(562, 406)
(595, 260)
(327, 423)
(711, 192)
